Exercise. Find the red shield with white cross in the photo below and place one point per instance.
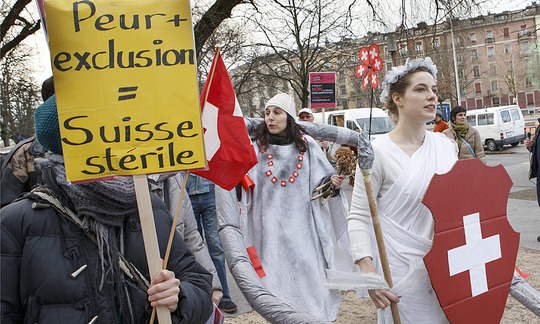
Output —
(471, 262)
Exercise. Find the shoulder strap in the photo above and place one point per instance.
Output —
(468, 145)
(127, 267)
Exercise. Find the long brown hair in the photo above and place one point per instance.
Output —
(294, 134)
(399, 87)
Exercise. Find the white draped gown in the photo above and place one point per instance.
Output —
(399, 185)
(295, 238)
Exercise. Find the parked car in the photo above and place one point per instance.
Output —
(381, 123)
(498, 125)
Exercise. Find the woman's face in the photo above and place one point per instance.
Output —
(419, 102)
(461, 118)
(276, 120)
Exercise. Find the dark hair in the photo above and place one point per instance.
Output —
(399, 86)
(47, 89)
(294, 134)
(456, 110)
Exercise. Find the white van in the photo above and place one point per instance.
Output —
(381, 123)
(498, 125)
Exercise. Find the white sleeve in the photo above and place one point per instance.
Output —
(359, 220)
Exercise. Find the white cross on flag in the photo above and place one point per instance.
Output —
(471, 262)
(228, 149)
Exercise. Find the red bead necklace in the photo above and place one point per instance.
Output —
(295, 174)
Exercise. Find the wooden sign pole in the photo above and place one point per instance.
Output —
(149, 236)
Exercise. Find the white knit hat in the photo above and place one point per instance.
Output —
(283, 101)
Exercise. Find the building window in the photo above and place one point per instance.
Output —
(477, 87)
(530, 99)
(358, 102)
(419, 47)
(343, 90)
(358, 85)
(460, 73)
(489, 36)
(506, 32)
(388, 66)
(528, 81)
(478, 105)
(472, 38)
(476, 71)
(494, 85)
(492, 70)
(524, 47)
(523, 31)
(463, 91)
(474, 54)
(495, 101)
(459, 57)
(341, 76)
(491, 51)
(403, 50)
(345, 104)
(507, 49)
(436, 43)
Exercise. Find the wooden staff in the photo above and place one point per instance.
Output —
(380, 240)
(171, 234)
(148, 227)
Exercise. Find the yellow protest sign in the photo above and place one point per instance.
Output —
(126, 86)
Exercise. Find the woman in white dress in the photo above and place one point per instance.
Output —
(294, 237)
(405, 161)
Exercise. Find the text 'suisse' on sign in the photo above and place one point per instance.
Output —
(126, 86)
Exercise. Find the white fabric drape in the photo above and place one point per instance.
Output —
(406, 223)
(294, 237)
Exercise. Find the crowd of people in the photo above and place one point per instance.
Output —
(72, 252)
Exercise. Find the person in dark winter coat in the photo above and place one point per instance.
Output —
(19, 174)
(532, 146)
(74, 253)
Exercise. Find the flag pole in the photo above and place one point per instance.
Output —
(173, 228)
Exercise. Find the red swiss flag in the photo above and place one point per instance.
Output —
(228, 148)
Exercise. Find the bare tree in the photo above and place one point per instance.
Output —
(296, 34)
(19, 96)
(15, 27)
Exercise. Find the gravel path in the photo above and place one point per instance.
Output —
(361, 310)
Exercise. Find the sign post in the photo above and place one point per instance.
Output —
(127, 96)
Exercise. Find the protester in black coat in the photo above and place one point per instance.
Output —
(83, 261)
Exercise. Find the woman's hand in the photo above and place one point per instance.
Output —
(337, 180)
(380, 297)
(164, 290)
(216, 296)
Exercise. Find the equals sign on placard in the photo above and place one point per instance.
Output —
(127, 96)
